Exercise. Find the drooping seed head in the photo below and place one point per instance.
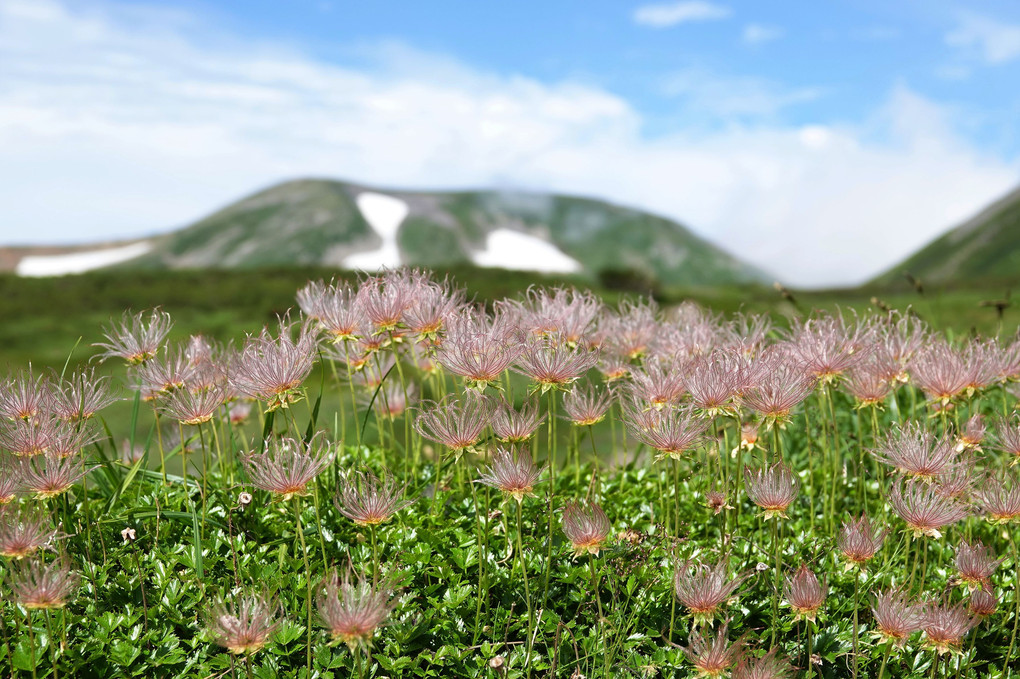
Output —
(352, 611)
(805, 593)
(512, 473)
(586, 526)
(368, 501)
(243, 626)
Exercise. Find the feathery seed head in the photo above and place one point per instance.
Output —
(136, 338)
(896, 616)
(805, 593)
(244, 625)
(946, 626)
(773, 488)
(975, 564)
(712, 656)
(514, 474)
(768, 666)
(916, 451)
(999, 499)
(352, 611)
(38, 585)
(859, 540)
(671, 431)
(23, 531)
(704, 589)
(982, 603)
(368, 501)
(272, 369)
(924, 509)
(287, 466)
(586, 526)
(585, 406)
(458, 425)
(516, 426)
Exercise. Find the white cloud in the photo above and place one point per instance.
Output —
(756, 34)
(724, 97)
(996, 42)
(672, 13)
(117, 125)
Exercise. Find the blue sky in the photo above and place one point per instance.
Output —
(822, 141)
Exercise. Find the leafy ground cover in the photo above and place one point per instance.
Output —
(396, 484)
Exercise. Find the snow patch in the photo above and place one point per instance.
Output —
(384, 214)
(507, 249)
(78, 262)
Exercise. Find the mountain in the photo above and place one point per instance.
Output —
(985, 246)
(333, 223)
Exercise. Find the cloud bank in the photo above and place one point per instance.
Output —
(120, 123)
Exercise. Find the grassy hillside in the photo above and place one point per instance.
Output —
(318, 223)
(987, 246)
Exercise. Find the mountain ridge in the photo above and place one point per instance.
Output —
(318, 221)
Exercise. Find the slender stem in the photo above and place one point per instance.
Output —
(439, 481)
(778, 568)
(31, 640)
(1016, 599)
(809, 665)
(375, 555)
(595, 589)
(934, 665)
(885, 659)
(53, 647)
(527, 587)
(247, 666)
(308, 579)
(857, 598)
(141, 585)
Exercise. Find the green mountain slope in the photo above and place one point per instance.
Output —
(317, 222)
(986, 246)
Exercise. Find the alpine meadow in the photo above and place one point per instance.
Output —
(394, 479)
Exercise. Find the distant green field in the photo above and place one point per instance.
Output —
(43, 319)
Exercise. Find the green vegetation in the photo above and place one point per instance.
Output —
(985, 247)
(174, 531)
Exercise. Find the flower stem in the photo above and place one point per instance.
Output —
(308, 579)
(885, 659)
(857, 598)
(527, 587)
(1016, 599)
